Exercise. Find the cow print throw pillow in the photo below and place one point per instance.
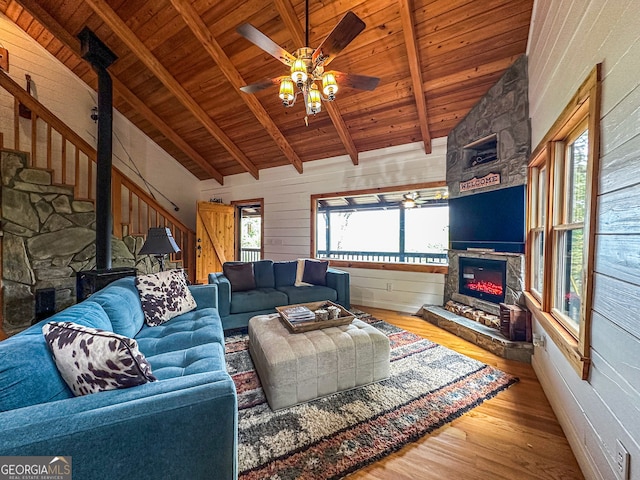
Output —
(163, 296)
(92, 360)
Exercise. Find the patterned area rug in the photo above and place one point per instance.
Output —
(328, 438)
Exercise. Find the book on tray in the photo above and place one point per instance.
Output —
(299, 314)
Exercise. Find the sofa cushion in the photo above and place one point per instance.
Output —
(92, 360)
(28, 374)
(121, 302)
(240, 275)
(189, 344)
(258, 299)
(285, 273)
(311, 272)
(263, 271)
(314, 293)
(315, 272)
(164, 295)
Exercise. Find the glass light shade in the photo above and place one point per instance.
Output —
(299, 71)
(286, 91)
(313, 99)
(409, 203)
(329, 85)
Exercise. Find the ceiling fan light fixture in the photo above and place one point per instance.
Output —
(286, 92)
(329, 85)
(299, 72)
(409, 203)
(313, 100)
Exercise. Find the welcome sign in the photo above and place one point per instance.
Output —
(475, 182)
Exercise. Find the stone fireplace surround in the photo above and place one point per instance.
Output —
(503, 113)
(514, 281)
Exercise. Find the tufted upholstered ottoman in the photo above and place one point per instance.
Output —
(298, 367)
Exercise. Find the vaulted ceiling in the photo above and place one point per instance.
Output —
(181, 63)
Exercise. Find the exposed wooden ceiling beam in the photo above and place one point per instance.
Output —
(204, 36)
(73, 44)
(120, 28)
(408, 29)
(285, 9)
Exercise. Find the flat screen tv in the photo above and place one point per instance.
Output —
(492, 220)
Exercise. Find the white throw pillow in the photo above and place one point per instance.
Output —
(92, 360)
(163, 296)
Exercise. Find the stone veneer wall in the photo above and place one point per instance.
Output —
(503, 111)
(48, 236)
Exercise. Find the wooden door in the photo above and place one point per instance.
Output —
(214, 238)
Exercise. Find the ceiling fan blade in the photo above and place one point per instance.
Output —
(361, 82)
(342, 34)
(261, 85)
(259, 39)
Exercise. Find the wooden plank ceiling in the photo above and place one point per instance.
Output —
(181, 63)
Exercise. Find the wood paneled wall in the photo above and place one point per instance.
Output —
(567, 39)
(287, 213)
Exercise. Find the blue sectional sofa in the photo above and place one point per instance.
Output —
(182, 426)
(275, 287)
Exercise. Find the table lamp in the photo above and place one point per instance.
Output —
(159, 243)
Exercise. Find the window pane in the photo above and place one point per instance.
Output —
(542, 197)
(365, 231)
(569, 280)
(390, 226)
(577, 156)
(321, 232)
(538, 261)
(427, 229)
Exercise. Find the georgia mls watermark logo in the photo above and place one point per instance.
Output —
(35, 468)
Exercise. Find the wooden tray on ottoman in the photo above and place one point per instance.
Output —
(345, 317)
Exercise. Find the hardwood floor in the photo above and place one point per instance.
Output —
(515, 435)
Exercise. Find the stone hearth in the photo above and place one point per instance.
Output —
(485, 337)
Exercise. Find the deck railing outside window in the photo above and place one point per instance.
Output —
(388, 257)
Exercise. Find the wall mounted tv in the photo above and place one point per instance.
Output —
(492, 220)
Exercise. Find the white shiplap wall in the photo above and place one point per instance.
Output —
(567, 39)
(68, 97)
(287, 207)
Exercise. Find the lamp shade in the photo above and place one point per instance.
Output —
(329, 85)
(159, 242)
(286, 91)
(299, 71)
(313, 100)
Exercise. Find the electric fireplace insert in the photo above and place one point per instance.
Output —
(483, 279)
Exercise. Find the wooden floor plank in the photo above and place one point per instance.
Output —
(512, 436)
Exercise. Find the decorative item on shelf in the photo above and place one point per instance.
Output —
(159, 243)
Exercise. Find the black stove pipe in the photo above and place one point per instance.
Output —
(100, 57)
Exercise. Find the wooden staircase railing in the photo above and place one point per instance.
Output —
(53, 145)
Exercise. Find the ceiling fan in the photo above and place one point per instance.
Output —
(308, 65)
(414, 199)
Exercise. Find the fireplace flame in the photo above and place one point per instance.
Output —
(485, 287)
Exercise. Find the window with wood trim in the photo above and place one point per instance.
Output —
(537, 216)
(396, 228)
(561, 216)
